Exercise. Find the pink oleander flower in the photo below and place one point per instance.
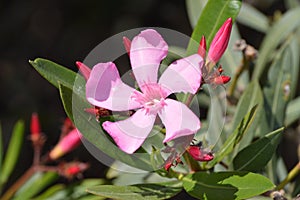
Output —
(220, 42)
(66, 144)
(105, 89)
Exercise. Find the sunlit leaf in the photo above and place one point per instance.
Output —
(138, 192)
(226, 185)
(234, 138)
(255, 156)
(212, 17)
(276, 35)
(253, 18)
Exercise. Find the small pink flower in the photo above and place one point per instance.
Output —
(105, 89)
(66, 144)
(220, 42)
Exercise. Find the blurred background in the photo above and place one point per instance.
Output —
(64, 32)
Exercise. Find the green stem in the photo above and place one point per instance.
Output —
(291, 175)
(244, 65)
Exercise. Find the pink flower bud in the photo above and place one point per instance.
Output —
(220, 42)
(85, 70)
(66, 144)
(69, 170)
(200, 154)
(202, 47)
(127, 44)
(219, 80)
(35, 128)
(168, 165)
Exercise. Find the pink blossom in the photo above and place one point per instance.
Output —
(105, 89)
(220, 42)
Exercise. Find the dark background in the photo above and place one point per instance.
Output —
(64, 32)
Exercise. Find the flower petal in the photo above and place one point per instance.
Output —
(183, 75)
(147, 51)
(105, 89)
(130, 134)
(178, 119)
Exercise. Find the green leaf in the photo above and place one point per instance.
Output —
(290, 4)
(234, 138)
(276, 35)
(212, 17)
(57, 74)
(255, 156)
(71, 191)
(253, 18)
(13, 151)
(226, 185)
(278, 89)
(292, 112)
(194, 9)
(137, 192)
(53, 72)
(66, 98)
(252, 96)
(36, 184)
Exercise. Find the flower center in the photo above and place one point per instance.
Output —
(152, 99)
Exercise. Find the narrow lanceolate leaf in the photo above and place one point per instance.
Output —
(137, 192)
(276, 35)
(13, 151)
(279, 88)
(226, 185)
(253, 18)
(234, 138)
(66, 98)
(35, 185)
(252, 96)
(255, 156)
(57, 74)
(212, 17)
(194, 9)
(292, 112)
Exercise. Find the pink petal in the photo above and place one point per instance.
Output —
(178, 119)
(105, 89)
(129, 134)
(183, 75)
(147, 51)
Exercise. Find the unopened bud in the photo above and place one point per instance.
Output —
(202, 47)
(220, 42)
(70, 170)
(66, 144)
(219, 80)
(199, 153)
(127, 44)
(84, 70)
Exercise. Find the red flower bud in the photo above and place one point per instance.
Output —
(220, 42)
(200, 154)
(202, 47)
(35, 128)
(219, 80)
(66, 144)
(127, 44)
(69, 170)
(168, 165)
(85, 70)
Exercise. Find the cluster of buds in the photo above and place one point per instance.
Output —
(70, 139)
(199, 153)
(210, 74)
